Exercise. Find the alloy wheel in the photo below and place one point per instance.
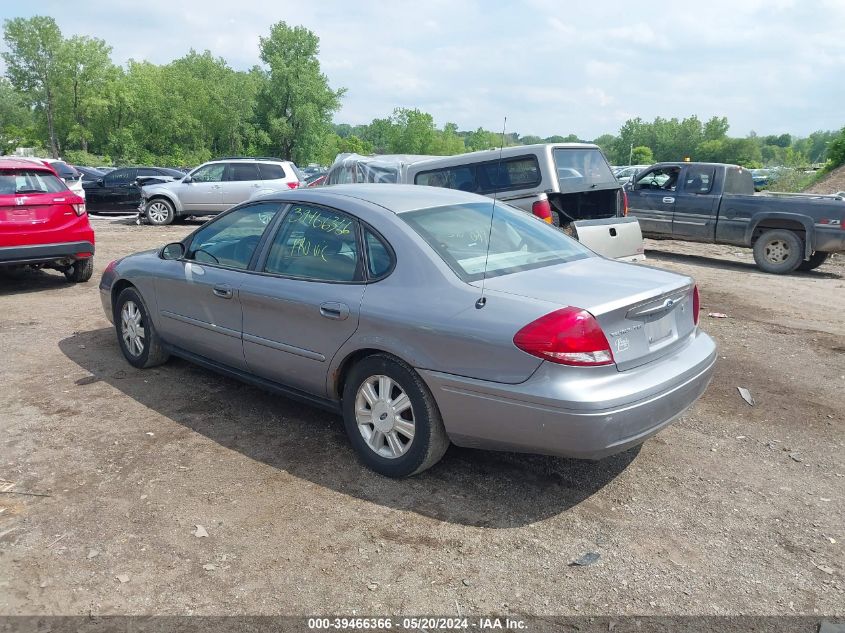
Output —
(132, 328)
(158, 212)
(777, 251)
(385, 416)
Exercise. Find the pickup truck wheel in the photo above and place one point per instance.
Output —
(160, 212)
(816, 259)
(778, 251)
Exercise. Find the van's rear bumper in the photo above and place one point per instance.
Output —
(38, 253)
(587, 413)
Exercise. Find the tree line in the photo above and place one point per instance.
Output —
(66, 97)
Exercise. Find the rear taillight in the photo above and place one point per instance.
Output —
(696, 304)
(293, 185)
(79, 208)
(570, 336)
(543, 210)
(624, 204)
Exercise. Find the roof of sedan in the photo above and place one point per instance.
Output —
(395, 198)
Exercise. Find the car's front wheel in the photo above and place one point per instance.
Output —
(136, 333)
(391, 417)
(160, 212)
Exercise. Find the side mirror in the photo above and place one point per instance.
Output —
(174, 250)
(187, 180)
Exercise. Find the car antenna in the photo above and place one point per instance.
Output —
(482, 300)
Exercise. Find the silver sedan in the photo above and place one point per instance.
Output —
(424, 316)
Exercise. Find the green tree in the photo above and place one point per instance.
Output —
(33, 65)
(16, 123)
(716, 128)
(295, 102)
(642, 155)
(86, 69)
(836, 151)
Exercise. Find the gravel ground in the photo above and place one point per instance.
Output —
(734, 509)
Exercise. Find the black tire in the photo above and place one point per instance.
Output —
(81, 270)
(778, 251)
(429, 441)
(162, 212)
(816, 259)
(153, 353)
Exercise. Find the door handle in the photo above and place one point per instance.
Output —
(224, 292)
(334, 310)
(668, 200)
(215, 186)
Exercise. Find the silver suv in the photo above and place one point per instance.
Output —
(216, 186)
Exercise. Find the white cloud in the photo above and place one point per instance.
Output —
(551, 67)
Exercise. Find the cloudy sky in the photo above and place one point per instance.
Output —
(551, 67)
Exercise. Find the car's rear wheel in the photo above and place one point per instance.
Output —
(160, 212)
(778, 251)
(816, 259)
(80, 271)
(391, 417)
(136, 333)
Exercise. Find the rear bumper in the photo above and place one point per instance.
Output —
(586, 413)
(38, 253)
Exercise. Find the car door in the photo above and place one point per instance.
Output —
(198, 296)
(305, 300)
(696, 205)
(112, 194)
(652, 199)
(203, 193)
(240, 181)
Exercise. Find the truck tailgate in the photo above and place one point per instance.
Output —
(615, 238)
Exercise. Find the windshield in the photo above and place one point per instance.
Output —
(518, 241)
(582, 169)
(29, 181)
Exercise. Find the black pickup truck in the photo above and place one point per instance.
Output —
(714, 202)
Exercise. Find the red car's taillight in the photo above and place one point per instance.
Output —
(293, 185)
(696, 305)
(570, 336)
(543, 210)
(79, 208)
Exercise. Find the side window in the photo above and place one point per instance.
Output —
(147, 171)
(699, 179)
(242, 171)
(460, 177)
(317, 244)
(378, 256)
(269, 171)
(739, 181)
(120, 177)
(660, 179)
(231, 239)
(209, 173)
(514, 173)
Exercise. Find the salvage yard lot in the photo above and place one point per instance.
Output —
(733, 509)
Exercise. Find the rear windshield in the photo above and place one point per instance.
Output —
(14, 181)
(739, 181)
(518, 241)
(582, 169)
(64, 170)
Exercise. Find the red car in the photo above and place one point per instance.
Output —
(43, 224)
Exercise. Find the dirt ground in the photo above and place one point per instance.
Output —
(733, 509)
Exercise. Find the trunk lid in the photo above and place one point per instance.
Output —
(644, 312)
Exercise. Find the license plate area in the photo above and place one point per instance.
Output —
(661, 331)
(18, 214)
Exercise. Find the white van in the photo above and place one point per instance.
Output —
(567, 184)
